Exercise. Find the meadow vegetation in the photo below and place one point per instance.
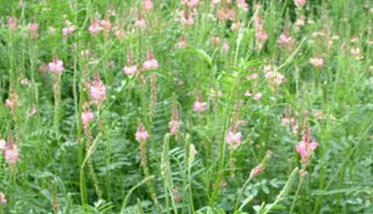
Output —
(186, 106)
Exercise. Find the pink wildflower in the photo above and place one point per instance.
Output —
(105, 23)
(252, 76)
(97, 91)
(141, 134)
(174, 126)
(235, 25)
(11, 153)
(68, 30)
(33, 111)
(2, 145)
(356, 52)
(187, 18)
(306, 147)
(151, 63)
(300, 3)
(34, 27)
(199, 106)
(215, 40)
(257, 96)
(120, 34)
(319, 114)
(231, 14)
(285, 39)
(317, 62)
(234, 138)
(225, 48)
(11, 102)
(87, 116)
(2, 198)
(147, 4)
(12, 23)
(257, 170)
(247, 94)
(95, 27)
(242, 4)
(130, 70)
(261, 36)
(274, 78)
(56, 66)
(300, 21)
(214, 2)
(182, 42)
(140, 23)
(192, 3)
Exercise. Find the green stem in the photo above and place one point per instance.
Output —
(296, 194)
(238, 200)
(144, 181)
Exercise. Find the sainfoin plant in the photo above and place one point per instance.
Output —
(186, 106)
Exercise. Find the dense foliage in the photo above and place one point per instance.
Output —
(167, 106)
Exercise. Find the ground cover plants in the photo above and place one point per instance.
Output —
(168, 106)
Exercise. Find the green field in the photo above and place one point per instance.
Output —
(186, 106)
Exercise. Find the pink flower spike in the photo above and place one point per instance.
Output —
(225, 47)
(147, 4)
(257, 96)
(2, 145)
(105, 23)
(12, 23)
(182, 42)
(87, 116)
(2, 198)
(95, 27)
(130, 70)
(242, 4)
(252, 76)
(174, 126)
(140, 23)
(120, 34)
(247, 94)
(285, 39)
(300, 21)
(56, 66)
(11, 154)
(300, 3)
(32, 112)
(141, 134)
(192, 3)
(11, 102)
(257, 170)
(68, 30)
(151, 63)
(234, 139)
(199, 106)
(187, 19)
(302, 151)
(97, 90)
(313, 145)
(317, 62)
(305, 148)
(34, 27)
(261, 36)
